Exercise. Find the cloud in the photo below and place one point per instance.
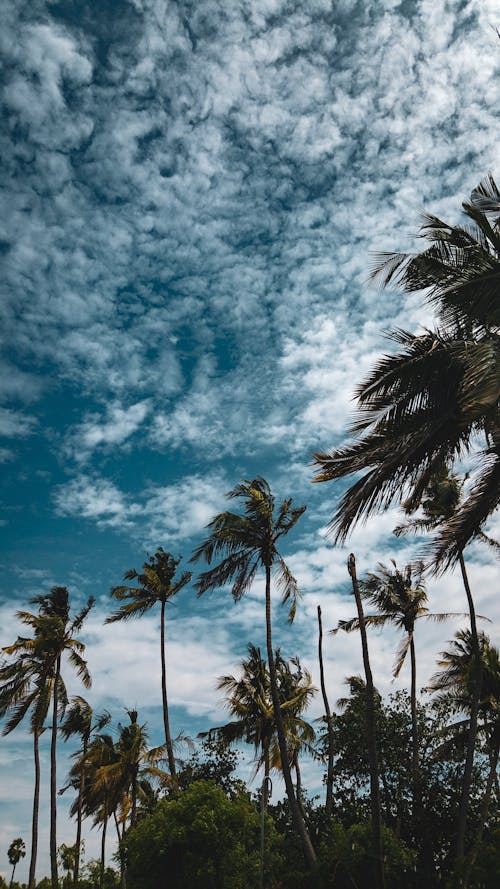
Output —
(173, 512)
(14, 424)
(97, 499)
(118, 425)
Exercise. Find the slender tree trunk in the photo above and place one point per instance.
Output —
(265, 785)
(78, 842)
(133, 813)
(53, 780)
(328, 714)
(12, 876)
(298, 821)
(103, 849)
(371, 731)
(36, 803)
(414, 720)
(168, 738)
(471, 739)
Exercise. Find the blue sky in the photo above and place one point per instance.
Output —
(191, 193)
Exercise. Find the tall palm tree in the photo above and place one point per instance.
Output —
(157, 584)
(53, 637)
(426, 404)
(400, 598)
(79, 720)
(23, 689)
(247, 542)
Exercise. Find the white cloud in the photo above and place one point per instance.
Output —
(14, 424)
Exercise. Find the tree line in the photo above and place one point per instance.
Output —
(420, 411)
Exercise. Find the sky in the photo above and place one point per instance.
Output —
(192, 194)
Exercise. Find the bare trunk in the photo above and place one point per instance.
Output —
(12, 876)
(53, 780)
(371, 731)
(168, 739)
(36, 802)
(328, 715)
(471, 739)
(78, 842)
(298, 821)
(103, 849)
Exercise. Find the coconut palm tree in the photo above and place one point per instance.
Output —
(16, 851)
(400, 598)
(426, 405)
(439, 503)
(53, 637)
(101, 797)
(79, 721)
(246, 542)
(156, 584)
(248, 699)
(24, 689)
(455, 684)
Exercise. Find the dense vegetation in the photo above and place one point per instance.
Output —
(412, 789)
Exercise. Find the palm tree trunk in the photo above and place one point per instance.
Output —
(265, 786)
(168, 739)
(414, 721)
(12, 875)
(298, 821)
(78, 842)
(471, 739)
(36, 802)
(371, 731)
(103, 849)
(53, 779)
(329, 727)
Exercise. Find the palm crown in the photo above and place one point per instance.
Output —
(426, 405)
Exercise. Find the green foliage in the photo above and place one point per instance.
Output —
(346, 858)
(215, 762)
(201, 839)
(91, 878)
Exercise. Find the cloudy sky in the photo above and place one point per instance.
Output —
(191, 193)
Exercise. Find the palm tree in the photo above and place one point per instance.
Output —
(440, 501)
(157, 583)
(79, 720)
(456, 684)
(400, 599)
(16, 851)
(249, 700)
(54, 633)
(246, 543)
(425, 405)
(24, 688)
(100, 797)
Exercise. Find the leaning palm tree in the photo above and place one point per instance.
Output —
(427, 404)
(246, 542)
(157, 584)
(79, 721)
(53, 637)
